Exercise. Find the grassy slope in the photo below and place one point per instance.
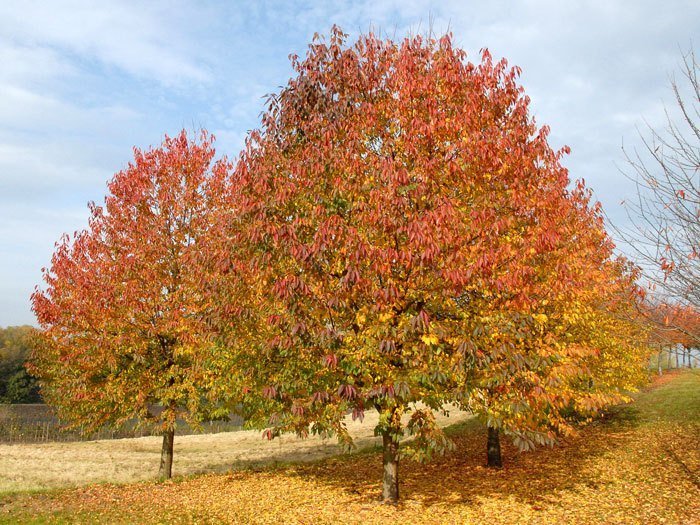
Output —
(639, 465)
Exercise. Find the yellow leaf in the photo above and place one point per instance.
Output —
(429, 339)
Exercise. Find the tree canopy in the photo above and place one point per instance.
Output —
(121, 312)
(401, 227)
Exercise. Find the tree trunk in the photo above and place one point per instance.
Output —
(677, 358)
(166, 454)
(493, 449)
(390, 480)
(659, 362)
(668, 353)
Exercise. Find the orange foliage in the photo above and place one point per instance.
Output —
(404, 233)
(121, 311)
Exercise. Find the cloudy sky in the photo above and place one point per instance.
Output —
(82, 83)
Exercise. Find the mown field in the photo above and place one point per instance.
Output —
(38, 466)
(638, 465)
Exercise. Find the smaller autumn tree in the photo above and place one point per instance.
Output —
(121, 310)
(571, 344)
(674, 330)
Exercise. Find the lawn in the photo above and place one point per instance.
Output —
(639, 464)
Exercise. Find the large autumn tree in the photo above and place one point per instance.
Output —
(393, 191)
(122, 306)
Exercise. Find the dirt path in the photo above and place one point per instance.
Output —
(52, 465)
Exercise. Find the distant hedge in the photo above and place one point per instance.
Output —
(37, 423)
(16, 385)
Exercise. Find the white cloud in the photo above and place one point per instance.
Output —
(26, 65)
(26, 109)
(147, 40)
(27, 173)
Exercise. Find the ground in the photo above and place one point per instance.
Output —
(639, 464)
(36, 466)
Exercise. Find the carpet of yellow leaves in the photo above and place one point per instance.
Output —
(639, 465)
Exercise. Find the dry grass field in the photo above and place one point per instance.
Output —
(39, 466)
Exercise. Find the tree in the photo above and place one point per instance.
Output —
(16, 385)
(665, 236)
(674, 327)
(122, 311)
(394, 190)
(576, 345)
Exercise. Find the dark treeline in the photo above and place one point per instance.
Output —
(16, 385)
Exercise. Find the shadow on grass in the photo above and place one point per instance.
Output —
(462, 477)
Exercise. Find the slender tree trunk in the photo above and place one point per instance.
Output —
(390, 480)
(166, 454)
(390, 456)
(493, 449)
(659, 363)
(668, 353)
(677, 358)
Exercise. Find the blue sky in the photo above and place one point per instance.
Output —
(82, 83)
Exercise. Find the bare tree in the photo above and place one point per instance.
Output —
(665, 215)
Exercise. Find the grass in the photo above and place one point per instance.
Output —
(61, 465)
(639, 464)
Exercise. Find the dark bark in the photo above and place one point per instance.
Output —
(493, 449)
(166, 455)
(658, 361)
(390, 480)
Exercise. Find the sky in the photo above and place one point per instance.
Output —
(82, 83)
